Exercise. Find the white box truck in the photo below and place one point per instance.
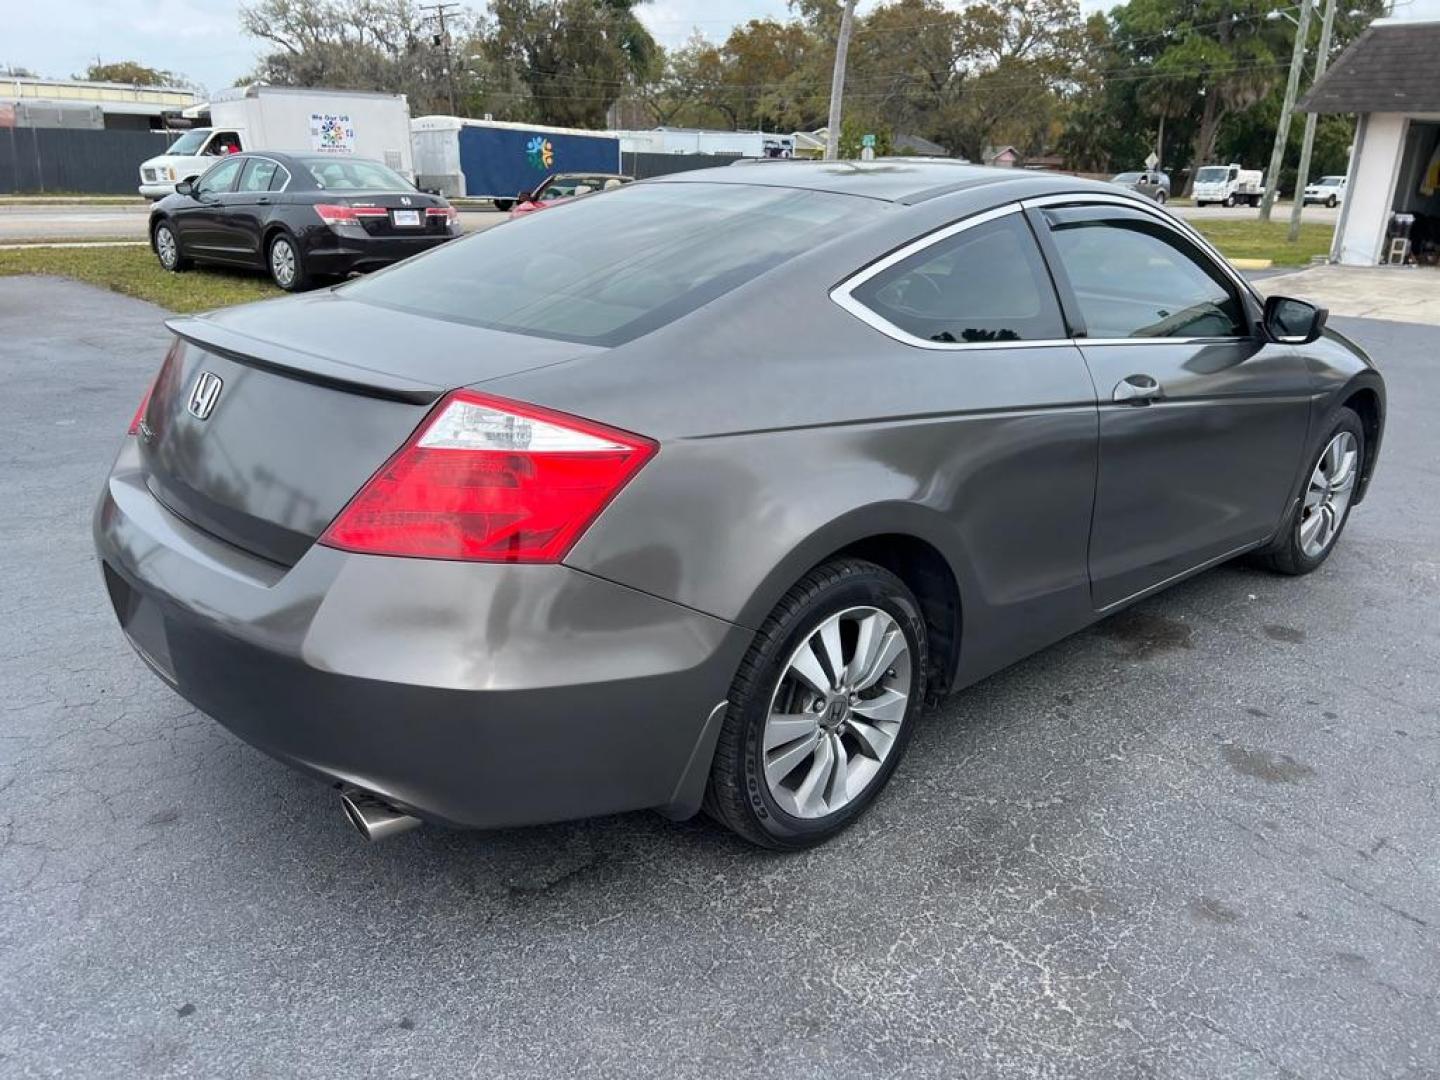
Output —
(671, 140)
(293, 118)
(1228, 185)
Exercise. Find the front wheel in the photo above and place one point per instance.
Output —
(1314, 526)
(1160, 197)
(287, 265)
(822, 707)
(1330, 202)
(1229, 201)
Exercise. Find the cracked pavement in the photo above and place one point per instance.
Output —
(1198, 840)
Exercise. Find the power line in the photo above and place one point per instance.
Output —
(441, 10)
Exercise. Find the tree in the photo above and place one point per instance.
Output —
(386, 45)
(576, 57)
(132, 72)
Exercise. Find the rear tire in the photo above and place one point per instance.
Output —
(1314, 525)
(1160, 197)
(287, 265)
(796, 763)
(167, 249)
(1330, 202)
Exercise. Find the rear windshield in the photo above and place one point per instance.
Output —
(354, 174)
(606, 270)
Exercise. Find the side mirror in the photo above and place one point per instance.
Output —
(185, 187)
(1293, 322)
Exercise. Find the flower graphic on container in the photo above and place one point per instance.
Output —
(540, 153)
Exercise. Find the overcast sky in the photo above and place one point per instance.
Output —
(201, 38)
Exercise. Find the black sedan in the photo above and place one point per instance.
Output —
(301, 217)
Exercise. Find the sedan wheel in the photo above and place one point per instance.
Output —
(822, 707)
(1323, 508)
(167, 249)
(286, 266)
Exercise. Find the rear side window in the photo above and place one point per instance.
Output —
(258, 174)
(986, 283)
(603, 271)
(1135, 278)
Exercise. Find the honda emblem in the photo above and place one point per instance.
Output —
(204, 394)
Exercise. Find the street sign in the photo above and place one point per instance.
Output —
(1151, 160)
(867, 141)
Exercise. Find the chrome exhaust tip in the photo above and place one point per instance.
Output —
(372, 816)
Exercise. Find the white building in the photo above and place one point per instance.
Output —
(1390, 78)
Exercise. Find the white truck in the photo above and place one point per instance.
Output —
(1228, 185)
(293, 118)
(671, 140)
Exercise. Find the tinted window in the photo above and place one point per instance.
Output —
(189, 143)
(987, 283)
(257, 175)
(221, 177)
(1134, 277)
(606, 270)
(354, 174)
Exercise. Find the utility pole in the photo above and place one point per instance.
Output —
(1282, 133)
(837, 81)
(441, 10)
(1302, 177)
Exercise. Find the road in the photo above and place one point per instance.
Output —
(1196, 841)
(70, 221)
(75, 221)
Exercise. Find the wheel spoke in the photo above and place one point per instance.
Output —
(810, 795)
(781, 764)
(784, 728)
(889, 706)
(869, 634)
(837, 791)
(805, 666)
(891, 647)
(1314, 496)
(1344, 478)
(1309, 527)
(826, 642)
(875, 742)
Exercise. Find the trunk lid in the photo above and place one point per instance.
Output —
(266, 419)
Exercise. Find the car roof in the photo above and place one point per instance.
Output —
(901, 180)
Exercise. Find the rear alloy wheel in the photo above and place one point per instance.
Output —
(287, 268)
(1160, 197)
(167, 249)
(822, 707)
(1324, 507)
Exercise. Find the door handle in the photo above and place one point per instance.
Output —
(1137, 390)
(263, 200)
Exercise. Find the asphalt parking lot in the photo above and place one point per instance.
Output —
(1198, 840)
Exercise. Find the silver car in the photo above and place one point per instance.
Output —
(1153, 185)
(694, 495)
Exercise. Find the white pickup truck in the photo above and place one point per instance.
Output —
(297, 119)
(1228, 185)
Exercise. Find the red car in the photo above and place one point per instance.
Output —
(564, 186)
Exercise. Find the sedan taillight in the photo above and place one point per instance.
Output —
(334, 214)
(449, 213)
(490, 480)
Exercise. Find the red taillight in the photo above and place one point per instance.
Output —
(449, 213)
(490, 480)
(144, 404)
(335, 214)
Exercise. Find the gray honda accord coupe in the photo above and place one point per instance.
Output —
(694, 493)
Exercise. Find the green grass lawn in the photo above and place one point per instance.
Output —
(1266, 240)
(135, 271)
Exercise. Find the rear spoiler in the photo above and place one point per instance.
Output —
(297, 364)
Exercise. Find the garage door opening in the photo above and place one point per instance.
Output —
(1414, 233)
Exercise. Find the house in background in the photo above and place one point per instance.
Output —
(1005, 156)
(915, 146)
(1390, 78)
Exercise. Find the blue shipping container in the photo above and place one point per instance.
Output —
(501, 162)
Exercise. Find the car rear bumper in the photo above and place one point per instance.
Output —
(478, 695)
(340, 255)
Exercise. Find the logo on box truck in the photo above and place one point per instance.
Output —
(540, 153)
(332, 133)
